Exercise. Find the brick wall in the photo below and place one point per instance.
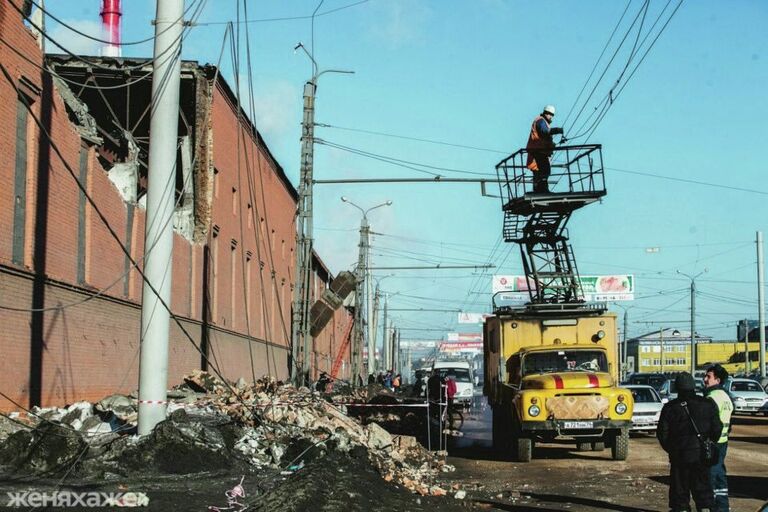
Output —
(81, 347)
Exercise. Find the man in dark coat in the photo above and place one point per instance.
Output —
(677, 436)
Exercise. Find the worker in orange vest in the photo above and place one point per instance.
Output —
(540, 146)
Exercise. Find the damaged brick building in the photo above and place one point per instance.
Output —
(73, 160)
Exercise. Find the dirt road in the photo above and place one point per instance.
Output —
(560, 478)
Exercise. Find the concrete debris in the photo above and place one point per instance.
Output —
(264, 426)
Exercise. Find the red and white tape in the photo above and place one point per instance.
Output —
(154, 402)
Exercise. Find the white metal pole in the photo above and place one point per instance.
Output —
(761, 300)
(161, 186)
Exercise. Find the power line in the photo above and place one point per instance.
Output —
(286, 18)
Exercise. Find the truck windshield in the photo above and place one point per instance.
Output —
(457, 374)
(565, 361)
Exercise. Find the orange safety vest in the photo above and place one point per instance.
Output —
(536, 144)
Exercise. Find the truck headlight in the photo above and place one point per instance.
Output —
(534, 410)
(621, 408)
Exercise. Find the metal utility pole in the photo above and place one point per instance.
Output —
(746, 346)
(693, 316)
(158, 234)
(300, 337)
(661, 349)
(761, 300)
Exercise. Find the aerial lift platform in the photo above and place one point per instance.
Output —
(538, 223)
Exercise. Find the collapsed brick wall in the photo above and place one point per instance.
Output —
(90, 349)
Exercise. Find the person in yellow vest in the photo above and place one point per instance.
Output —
(714, 380)
(540, 146)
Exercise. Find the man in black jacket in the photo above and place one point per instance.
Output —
(677, 436)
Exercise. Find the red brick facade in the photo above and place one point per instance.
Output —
(81, 346)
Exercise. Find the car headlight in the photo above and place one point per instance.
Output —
(621, 408)
(534, 410)
(740, 399)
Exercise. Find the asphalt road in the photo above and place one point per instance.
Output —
(560, 478)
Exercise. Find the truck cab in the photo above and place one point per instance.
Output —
(555, 378)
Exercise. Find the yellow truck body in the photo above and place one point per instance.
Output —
(549, 377)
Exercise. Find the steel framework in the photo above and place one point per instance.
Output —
(538, 221)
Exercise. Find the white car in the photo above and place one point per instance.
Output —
(647, 410)
(461, 373)
(747, 396)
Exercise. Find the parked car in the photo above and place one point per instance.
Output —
(647, 410)
(747, 396)
(654, 380)
(668, 389)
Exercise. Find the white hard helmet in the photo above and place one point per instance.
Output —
(550, 109)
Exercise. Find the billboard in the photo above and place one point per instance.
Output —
(462, 346)
(472, 318)
(595, 288)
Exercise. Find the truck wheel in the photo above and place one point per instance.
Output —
(598, 446)
(620, 446)
(524, 449)
(583, 446)
(495, 430)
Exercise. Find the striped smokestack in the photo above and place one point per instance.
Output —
(111, 14)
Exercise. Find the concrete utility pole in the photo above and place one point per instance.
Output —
(693, 316)
(385, 344)
(361, 303)
(357, 344)
(761, 300)
(661, 349)
(158, 234)
(300, 337)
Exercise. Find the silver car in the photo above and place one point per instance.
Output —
(747, 396)
(647, 410)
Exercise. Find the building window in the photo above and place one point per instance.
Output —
(81, 231)
(20, 184)
(233, 280)
(215, 183)
(234, 201)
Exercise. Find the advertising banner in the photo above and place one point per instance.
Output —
(465, 336)
(462, 346)
(472, 318)
(595, 288)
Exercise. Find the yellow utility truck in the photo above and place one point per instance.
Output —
(550, 376)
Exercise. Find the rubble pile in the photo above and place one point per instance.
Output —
(265, 427)
(277, 416)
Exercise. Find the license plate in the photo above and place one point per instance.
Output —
(578, 424)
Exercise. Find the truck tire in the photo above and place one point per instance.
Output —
(496, 429)
(598, 446)
(524, 447)
(620, 446)
(583, 446)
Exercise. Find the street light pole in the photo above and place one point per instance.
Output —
(693, 317)
(300, 337)
(360, 302)
(623, 372)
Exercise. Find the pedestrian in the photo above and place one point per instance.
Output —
(396, 381)
(540, 147)
(322, 383)
(450, 389)
(388, 379)
(713, 380)
(680, 419)
(371, 379)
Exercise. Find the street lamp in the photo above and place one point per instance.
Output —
(693, 316)
(362, 270)
(300, 336)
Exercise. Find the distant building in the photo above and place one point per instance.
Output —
(644, 353)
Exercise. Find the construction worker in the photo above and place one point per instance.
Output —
(714, 380)
(540, 146)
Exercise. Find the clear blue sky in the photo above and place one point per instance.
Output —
(475, 73)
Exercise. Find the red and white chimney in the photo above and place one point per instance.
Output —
(111, 14)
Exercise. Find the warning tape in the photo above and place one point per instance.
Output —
(346, 404)
(154, 402)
